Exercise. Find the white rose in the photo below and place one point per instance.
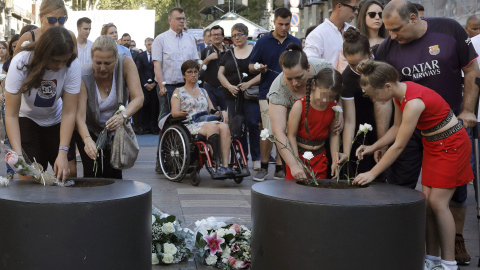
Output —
(200, 62)
(3, 76)
(247, 234)
(221, 232)
(264, 134)
(231, 231)
(244, 75)
(225, 260)
(164, 83)
(308, 155)
(367, 127)
(168, 228)
(155, 259)
(226, 252)
(256, 66)
(169, 249)
(167, 258)
(122, 108)
(204, 67)
(199, 81)
(337, 108)
(239, 264)
(211, 260)
(153, 219)
(361, 128)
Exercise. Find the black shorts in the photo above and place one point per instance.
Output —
(40, 143)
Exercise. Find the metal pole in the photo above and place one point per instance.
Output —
(477, 161)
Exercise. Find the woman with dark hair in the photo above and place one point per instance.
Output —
(12, 44)
(102, 80)
(289, 86)
(110, 29)
(370, 23)
(312, 120)
(3, 52)
(189, 100)
(358, 107)
(41, 99)
(446, 151)
(52, 13)
(236, 78)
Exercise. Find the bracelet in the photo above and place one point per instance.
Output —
(64, 148)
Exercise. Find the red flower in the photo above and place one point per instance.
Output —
(213, 243)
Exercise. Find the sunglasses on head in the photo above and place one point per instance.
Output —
(372, 14)
(60, 20)
(354, 8)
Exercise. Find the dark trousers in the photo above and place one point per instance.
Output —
(39, 143)
(149, 111)
(216, 96)
(250, 110)
(104, 169)
(164, 101)
(406, 169)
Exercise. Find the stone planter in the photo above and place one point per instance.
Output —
(100, 227)
(299, 227)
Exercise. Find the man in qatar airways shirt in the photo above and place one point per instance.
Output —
(432, 52)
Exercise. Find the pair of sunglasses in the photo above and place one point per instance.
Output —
(60, 20)
(372, 14)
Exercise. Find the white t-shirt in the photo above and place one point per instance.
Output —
(43, 105)
(325, 42)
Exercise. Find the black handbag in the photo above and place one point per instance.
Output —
(252, 92)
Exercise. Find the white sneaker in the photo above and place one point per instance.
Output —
(429, 264)
(442, 267)
(256, 165)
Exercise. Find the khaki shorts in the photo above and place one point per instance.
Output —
(265, 116)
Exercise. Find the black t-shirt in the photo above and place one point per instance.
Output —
(434, 60)
(231, 69)
(210, 75)
(6, 65)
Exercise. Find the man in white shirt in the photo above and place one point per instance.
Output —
(169, 50)
(84, 45)
(326, 41)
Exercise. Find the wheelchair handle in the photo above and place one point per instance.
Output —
(220, 113)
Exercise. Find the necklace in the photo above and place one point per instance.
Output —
(107, 89)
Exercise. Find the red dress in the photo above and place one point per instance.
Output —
(446, 162)
(319, 126)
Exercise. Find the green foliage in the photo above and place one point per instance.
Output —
(119, 4)
(256, 11)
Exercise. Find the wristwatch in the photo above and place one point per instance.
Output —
(124, 115)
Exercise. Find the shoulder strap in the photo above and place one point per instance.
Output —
(33, 35)
(120, 82)
(235, 60)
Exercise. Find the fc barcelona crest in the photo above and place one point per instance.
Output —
(434, 50)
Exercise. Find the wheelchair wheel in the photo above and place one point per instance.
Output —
(238, 180)
(174, 153)
(195, 178)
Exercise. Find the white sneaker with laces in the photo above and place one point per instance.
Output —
(429, 264)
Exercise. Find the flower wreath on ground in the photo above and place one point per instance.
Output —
(223, 245)
(170, 242)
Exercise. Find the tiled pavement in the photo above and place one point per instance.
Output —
(225, 199)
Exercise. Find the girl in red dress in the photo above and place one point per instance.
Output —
(312, 120)
(446, 154)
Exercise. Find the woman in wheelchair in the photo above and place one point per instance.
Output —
(187, 101)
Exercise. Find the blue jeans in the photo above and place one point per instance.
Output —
(250, 109)
(7, 142)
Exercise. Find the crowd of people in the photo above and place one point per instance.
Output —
(413, 79)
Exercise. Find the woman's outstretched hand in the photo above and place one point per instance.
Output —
(364, 150)
(363, 178)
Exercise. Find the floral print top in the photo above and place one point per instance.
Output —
(192, 106)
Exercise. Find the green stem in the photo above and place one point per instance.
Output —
(358, 161)
(309, 171)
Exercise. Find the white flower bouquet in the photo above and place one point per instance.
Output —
(170, 242)
(224, 246)
(20, 166)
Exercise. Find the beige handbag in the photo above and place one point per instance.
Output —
(125, 147)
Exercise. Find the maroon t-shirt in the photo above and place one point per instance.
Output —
(435, 60)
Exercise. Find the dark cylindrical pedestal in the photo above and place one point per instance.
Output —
(102, 227)
(300, 227)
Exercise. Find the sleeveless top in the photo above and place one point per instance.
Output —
(436, 108)
(318, 121)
